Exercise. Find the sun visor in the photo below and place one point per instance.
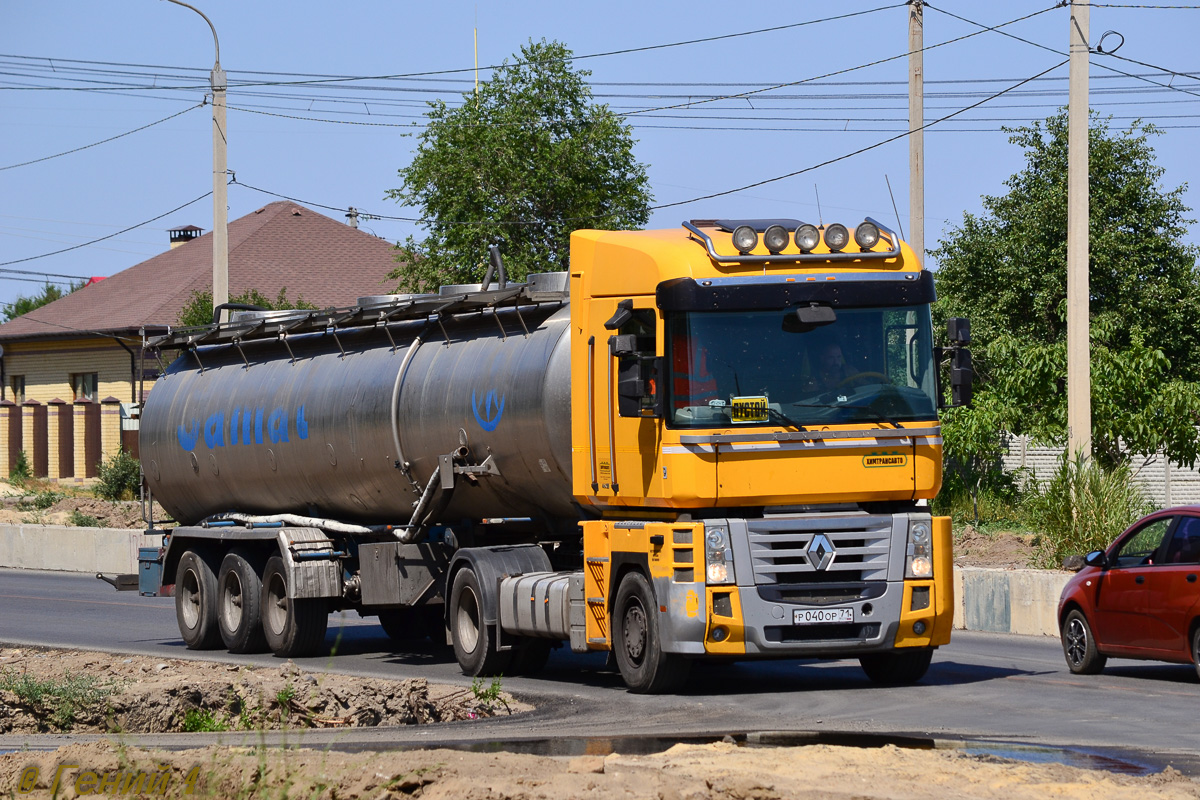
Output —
(854, 290)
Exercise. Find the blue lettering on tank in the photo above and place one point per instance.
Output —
(214, 430)
(246, 426)
(188, 437)
(301, 423)
(233, 426)
(258, 428)
(277, 426)
(492, 410)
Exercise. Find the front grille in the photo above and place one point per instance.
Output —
(786, 550)
(821, 633)
(822, 594)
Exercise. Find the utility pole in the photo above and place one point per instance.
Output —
(220, 290)
(916, 120)
(1079, 379)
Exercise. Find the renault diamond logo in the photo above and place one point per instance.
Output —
(821, 552)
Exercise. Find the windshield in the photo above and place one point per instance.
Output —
(752, 368)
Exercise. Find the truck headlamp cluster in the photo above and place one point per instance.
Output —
(718, 558)
(745, 238)
(920, 550)
(776, 238)
(866, 235)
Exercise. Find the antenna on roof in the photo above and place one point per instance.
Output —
(820, 219)
(896, 211)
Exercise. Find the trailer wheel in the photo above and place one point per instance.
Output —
(636, 642)
(293, 626)
(196, 601)
(239, 603)
(473, 645)
(897, 668)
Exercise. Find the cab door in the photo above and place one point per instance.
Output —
(1121, 595)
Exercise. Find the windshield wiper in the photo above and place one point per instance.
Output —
(785, 418)
(878, 416)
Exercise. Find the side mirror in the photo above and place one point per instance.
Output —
(623, 314)
(1096, 558)
(959, 330)
(961, 375)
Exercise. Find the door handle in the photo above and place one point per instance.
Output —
(1191, 578)
(1140, 579)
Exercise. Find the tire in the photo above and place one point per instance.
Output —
(239, 603)
(292, 627)
(637, 644)
(196, 601)
(897, 668)
(1079, 645)
(1196, 649)
(530, 655)
(474, 647)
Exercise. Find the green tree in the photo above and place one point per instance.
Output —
(1006, 270)
(522, 162)
(48, 294)
(198, 309)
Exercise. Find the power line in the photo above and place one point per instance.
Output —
(102, 141)
(103, 238)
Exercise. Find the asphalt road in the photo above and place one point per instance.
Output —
(981, 688)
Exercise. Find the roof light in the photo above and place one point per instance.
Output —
(836, 237)
(866, 234)
(807, 237)
(745, 238)
(776, 238)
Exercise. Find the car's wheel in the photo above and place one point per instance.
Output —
(196, 601)
(899, 668)
(1196, 648)
(474, 647)
(1079, 645)
(239, 603)
(644, 666)
(293, 626)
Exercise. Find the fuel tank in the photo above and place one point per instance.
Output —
(349, 423)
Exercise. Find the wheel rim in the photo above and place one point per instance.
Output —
(275, 614)
(634, 631)
(466, 620)
(1077, 641)
(231, 602)
(189, 592)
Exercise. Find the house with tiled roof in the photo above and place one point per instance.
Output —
(72, 374)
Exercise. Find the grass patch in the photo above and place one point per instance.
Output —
(201, 720)
(82, 520)
(61, 699)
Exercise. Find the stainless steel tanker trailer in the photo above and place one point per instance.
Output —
(629, 457)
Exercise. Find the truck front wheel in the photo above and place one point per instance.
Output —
(473, 642)
(637, 644)
(239, 604)
(293, 626)
(898, 668)
(196, 601)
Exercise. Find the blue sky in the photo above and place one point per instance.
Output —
(340, 143)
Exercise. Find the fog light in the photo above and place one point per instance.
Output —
(718, 634)
(919, 628)
(807, 237)
(718, 573)
(745, 238)
(920, 567)
(776, 238)
(866, 234)
(837, 237)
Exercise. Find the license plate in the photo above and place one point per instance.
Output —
(818, 616)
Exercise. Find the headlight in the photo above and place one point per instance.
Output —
(866, 235)
(836, 237)
(717, 556)
(776, 238)
(920, 550)
(807, 237)
(745, 239)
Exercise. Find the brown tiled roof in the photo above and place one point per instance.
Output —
(327, 263)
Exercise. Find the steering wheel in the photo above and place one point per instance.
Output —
(864, 377)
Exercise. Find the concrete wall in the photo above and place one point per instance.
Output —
(57, 547)
(1008, 600)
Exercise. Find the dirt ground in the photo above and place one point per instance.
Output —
(1000, 550)
(52, 691)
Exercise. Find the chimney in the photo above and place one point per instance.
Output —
(183, 235)
(352, 215)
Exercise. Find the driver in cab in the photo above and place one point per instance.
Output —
(830, 370)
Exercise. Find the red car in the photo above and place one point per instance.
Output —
(1140, 598)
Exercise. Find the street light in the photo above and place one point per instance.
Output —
(220, 292)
